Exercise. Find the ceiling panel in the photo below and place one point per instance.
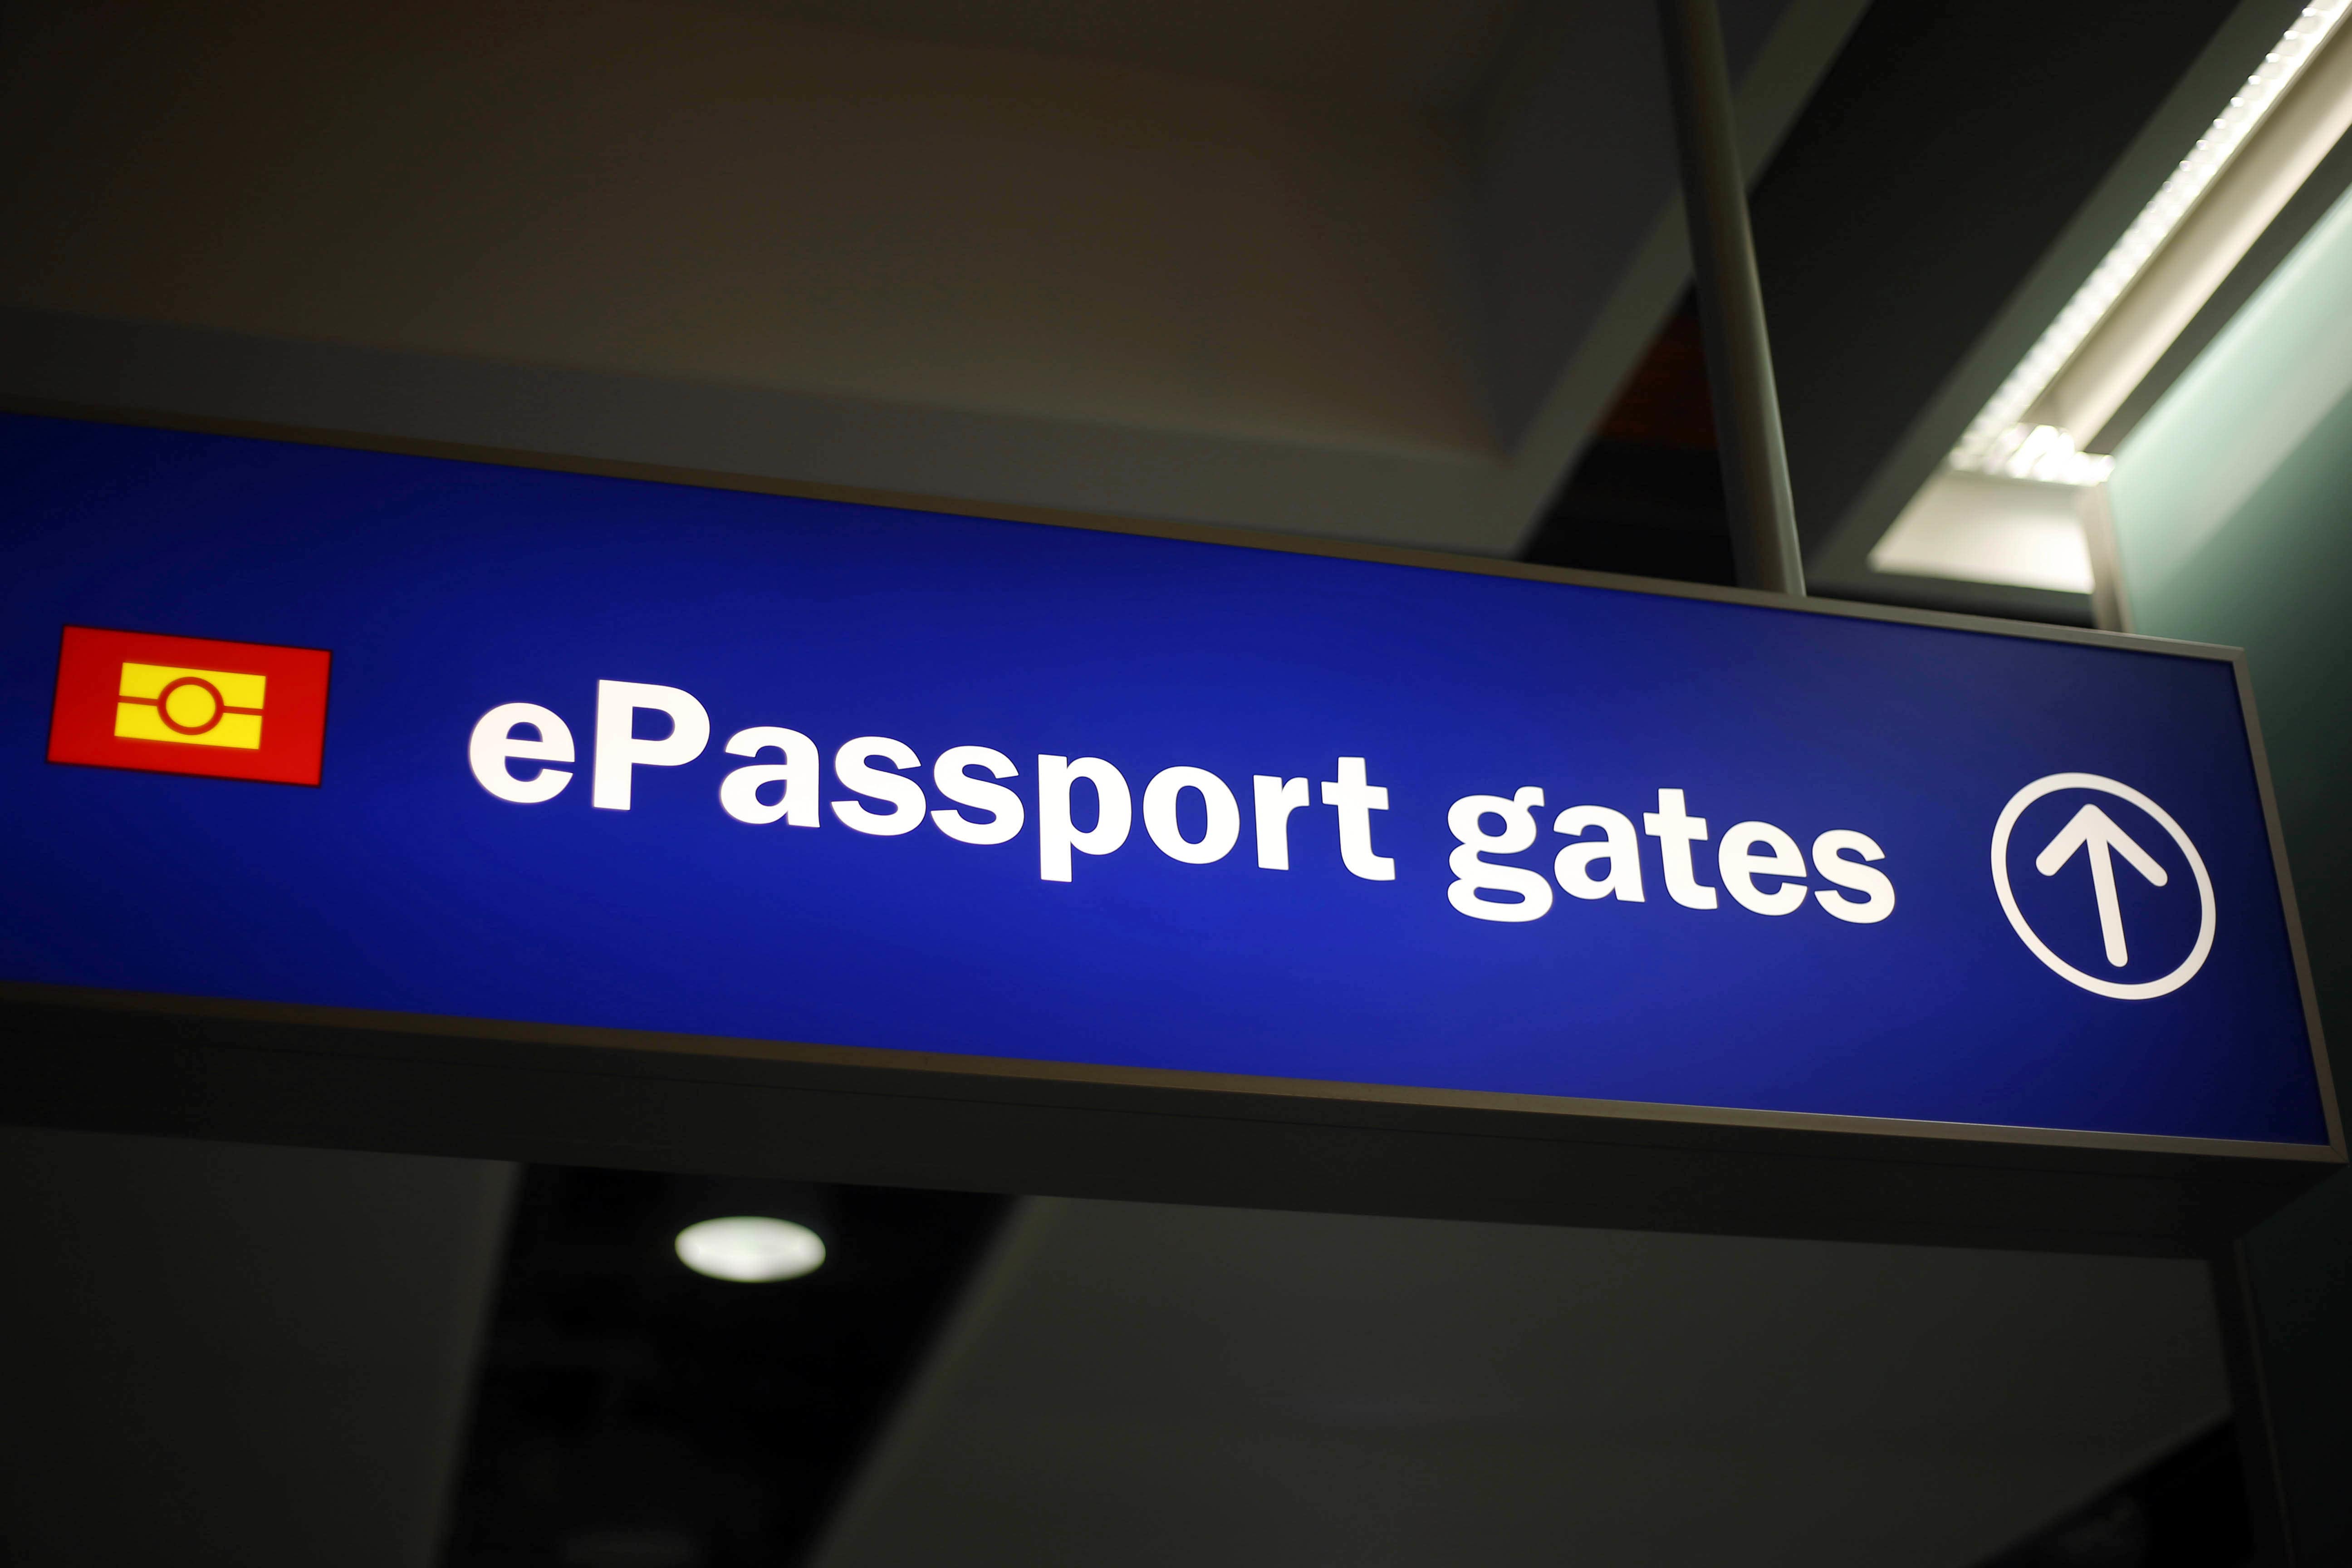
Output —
(1418, 54)
(1144, 1386)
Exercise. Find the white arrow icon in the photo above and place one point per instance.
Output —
(2095, 833)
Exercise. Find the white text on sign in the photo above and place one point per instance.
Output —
(1762, 867)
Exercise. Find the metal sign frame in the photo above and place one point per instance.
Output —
(277, 1073)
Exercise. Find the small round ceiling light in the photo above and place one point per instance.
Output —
(750, 1250)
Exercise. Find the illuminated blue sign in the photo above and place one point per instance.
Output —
(610, 752)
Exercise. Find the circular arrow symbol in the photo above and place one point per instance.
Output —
(2091, 835)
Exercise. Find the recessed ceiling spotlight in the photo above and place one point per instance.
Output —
(750, 1249)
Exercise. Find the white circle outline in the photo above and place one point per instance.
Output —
(2041, 950)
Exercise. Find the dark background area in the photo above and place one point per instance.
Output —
(1646, 497)
(633, 1413)
(2010, 112)
(2186, 1510)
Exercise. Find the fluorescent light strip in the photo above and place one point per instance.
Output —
(1996, 441)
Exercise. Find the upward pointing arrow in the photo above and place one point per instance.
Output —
(2095, 833)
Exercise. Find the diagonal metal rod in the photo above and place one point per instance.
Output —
(1730, 303)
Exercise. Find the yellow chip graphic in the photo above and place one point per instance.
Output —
(190, 706)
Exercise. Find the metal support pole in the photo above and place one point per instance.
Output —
(1730, 303)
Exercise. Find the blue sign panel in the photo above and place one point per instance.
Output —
(609, 753)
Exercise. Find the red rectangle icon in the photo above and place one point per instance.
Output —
(190, 705)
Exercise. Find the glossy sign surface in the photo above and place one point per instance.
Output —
(611, 752)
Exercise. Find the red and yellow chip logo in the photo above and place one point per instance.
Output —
(190, 705)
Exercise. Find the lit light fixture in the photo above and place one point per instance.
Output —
(750, 1249)
(2041, 452)
(2008, 439)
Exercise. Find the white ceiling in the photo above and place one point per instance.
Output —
(215, 1353)
(1147, 1385)
(1400, 53)
(1213, 263)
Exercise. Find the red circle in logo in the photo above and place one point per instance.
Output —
(163, 705)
